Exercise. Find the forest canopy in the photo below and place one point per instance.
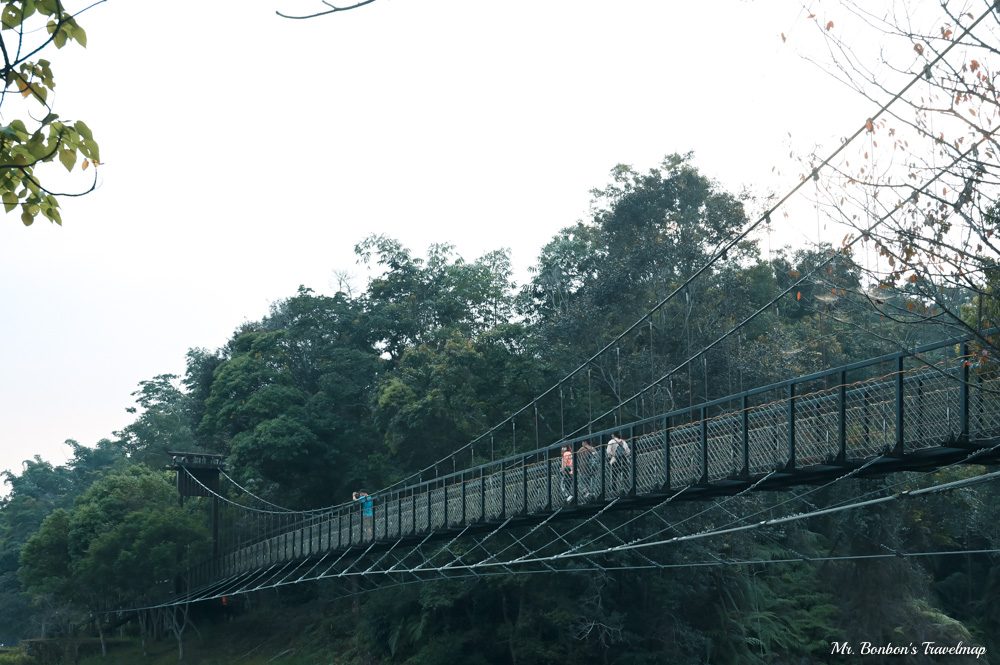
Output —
(327, 394)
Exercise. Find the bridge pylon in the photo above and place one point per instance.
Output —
(198, 474)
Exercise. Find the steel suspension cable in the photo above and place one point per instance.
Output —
(802, 279)
(719, 255)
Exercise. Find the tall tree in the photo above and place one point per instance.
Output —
(449, 390)
(648, 234)
(412, 298)
(165, 424)
(290, 400)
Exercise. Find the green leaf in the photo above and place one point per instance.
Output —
(59, 39)
(68, 158)
(80, 35)
(27, 218)
(38, 91)
(90, 150)
(36, 146)
(85, 132)
(10, 17)
(9, 201)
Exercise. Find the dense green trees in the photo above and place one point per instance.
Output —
(649, 233)
(326, 394)
(124, 540)
(165, 423)
(37, 492)
(289, 398)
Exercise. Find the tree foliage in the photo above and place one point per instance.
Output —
(39, 136)
(125, 539)
(35, 493)
(328, 394)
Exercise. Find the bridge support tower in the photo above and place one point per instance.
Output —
(198, 474)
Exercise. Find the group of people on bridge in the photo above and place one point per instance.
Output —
(585, 464)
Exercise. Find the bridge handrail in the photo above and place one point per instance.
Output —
(706, 406)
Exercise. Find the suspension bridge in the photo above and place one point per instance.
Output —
(919, 409)
(922, 409)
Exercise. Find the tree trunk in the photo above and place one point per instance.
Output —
(143, 629)
(100, 633)
(177, 622)
(513, 632)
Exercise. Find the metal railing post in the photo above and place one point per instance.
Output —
(399, 514)
(602, 451)
(524, 485)
(444, 484)
(920, 410)
(791, 426)
(703, 414)
(666, 452)
(548, 480)
(429, 515)
(576, 473)
(465, 513)
(482, 494)
(634, 459)
(745, 434)
(503, 491)
(964, 395)
(897, 450)
(413, 511)
(842, 424)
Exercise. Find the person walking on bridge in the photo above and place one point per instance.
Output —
(618, 461)
(566, 472)
(367, 514)
(588, 467)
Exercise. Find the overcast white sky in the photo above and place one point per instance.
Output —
(245, 154)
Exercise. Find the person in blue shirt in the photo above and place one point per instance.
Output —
(367, 514)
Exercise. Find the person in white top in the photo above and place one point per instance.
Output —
(618, 463)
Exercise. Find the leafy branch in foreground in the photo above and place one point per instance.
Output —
(28, 143)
